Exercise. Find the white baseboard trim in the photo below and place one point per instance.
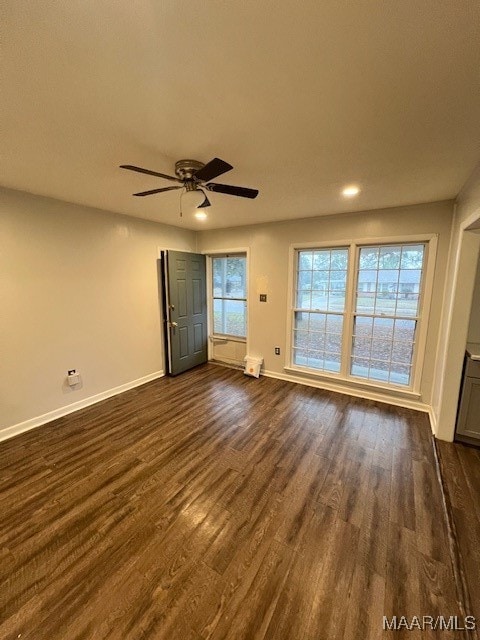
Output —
(357, 393)
(16, 429)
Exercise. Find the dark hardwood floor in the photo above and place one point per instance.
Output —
(213, 505)
(460, 469)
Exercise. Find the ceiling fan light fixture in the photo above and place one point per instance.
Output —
(200, 215)
(192, 199)
(351, 191)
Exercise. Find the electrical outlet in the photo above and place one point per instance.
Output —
(72, 372)
(263, 297)
(277, 351)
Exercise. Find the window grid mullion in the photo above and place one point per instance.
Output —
(351, 285)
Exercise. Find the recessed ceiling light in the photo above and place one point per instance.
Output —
(351, 191)
(200, 215)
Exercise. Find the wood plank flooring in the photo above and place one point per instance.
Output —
(460, 469)
(214, 506)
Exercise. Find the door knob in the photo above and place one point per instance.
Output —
(174, 324)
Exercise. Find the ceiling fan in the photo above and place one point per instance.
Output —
(195, 176)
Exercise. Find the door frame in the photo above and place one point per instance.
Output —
(451, 350)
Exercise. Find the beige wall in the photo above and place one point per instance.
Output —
(78, 289)
(462, 266)
(269, 265)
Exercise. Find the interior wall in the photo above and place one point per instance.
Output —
(474, 326)
(462, 267)
(269, 266)
(78, 289)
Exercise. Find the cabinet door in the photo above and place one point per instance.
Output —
(469, 416)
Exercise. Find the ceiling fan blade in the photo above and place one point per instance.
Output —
(152, 191)
(205, 203)
(213, 169)
(230, 190)
(131, 167)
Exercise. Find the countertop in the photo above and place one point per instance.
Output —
(473, 350)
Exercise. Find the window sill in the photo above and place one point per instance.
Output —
(227, 338)
(357, 384)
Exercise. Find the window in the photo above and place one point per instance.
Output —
(319, 308)
(229, 287)
(385, 320)
(368, 329)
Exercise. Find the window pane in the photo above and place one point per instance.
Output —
(363, 326)
(339, 259)
(412, 256)
(321, 259)
(336, 301)
(334, 324)
(332, 362)
(404, 330)
(400, 374)
(360, 367)
(333, 343)
(383, 328)
(316, 341)
(229, 317)
(229, 277)
(300, 339)
(369, 257)
(362, 347)
(300, 357)
(319, 300)
(316, 359)
(402, 352)
(301, 320)
(305, 260)
(321, 284)
(389, 257)
(391, 288)
(304, 280)
(320, 280)
(317, 321)
(378, 370)
(303, 299)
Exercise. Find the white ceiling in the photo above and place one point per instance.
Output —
(301, 97)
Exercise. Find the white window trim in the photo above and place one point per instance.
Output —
(425, 299)
(213, 337)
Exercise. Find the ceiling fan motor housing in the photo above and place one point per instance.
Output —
(186, 169)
